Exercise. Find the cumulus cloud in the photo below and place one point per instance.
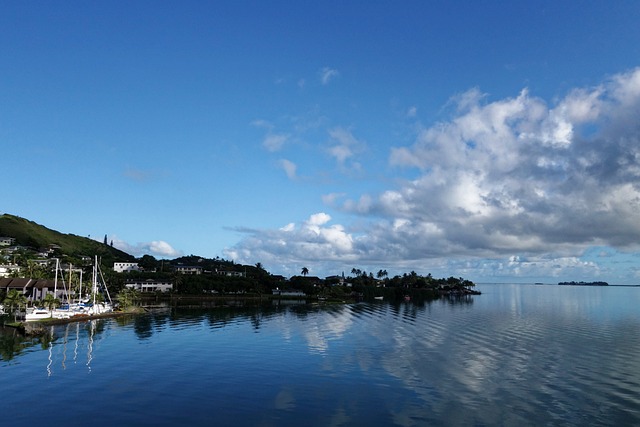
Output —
(499, 177)
(309, 241)
(517, 174)
(158, 248)
(327, 74)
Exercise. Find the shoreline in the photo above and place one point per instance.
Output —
(36, 327)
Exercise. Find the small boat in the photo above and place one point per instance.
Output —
(378, 298)
(37, 314)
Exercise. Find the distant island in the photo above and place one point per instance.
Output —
(584, 283)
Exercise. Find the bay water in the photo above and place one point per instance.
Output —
(517, 355)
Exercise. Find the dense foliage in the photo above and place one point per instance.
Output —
(68, 247)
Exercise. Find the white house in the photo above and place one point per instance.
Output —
(149, 285)
(229, 273)
(187, 269)
(7, 241)
(6, 270)
(121, 267)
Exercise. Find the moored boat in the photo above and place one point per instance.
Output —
(35, 313)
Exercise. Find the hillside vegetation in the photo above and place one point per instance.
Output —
(30, 234)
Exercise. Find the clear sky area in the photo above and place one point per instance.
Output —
(495, 141)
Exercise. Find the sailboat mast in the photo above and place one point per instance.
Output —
(95, 280)
(70, 288)
(55, 282)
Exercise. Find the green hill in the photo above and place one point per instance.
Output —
(30, 234)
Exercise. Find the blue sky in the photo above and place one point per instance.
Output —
(497, 141)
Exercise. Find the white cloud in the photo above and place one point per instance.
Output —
(289, 168)
(261, 123)
(274, 142)
(332, 198)
(161, 248)
(158, 248)
(327, 74)
(312, 240)
(513, 175)
(516, 174)
(343, 147)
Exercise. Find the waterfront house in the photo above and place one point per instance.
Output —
(33, 289)
(149, 285)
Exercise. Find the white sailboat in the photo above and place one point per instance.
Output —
(71, 307)
(99, 285)
(80, 308)
(39, 313)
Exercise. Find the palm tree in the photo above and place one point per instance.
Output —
(128, 297)
(15, 299)
(382, 273)
(50, 302)
(304, 271)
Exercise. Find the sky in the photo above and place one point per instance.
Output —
(495, 141)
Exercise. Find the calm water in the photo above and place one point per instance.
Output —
(517, 355)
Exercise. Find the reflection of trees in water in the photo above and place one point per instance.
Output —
(145, 325)
(303, 311)
(125, 320)
(457, 300)
(159, 322)
(142, 326)
(13, 342)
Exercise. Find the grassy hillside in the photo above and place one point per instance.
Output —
(28, 233)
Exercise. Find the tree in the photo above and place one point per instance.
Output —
(128, 297)
(50, 302)
(148, 263)
(105, 239)
(13, 300)
(304, 271)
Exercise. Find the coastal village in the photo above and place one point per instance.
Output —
(50, 281)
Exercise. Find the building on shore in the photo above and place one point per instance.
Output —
(149, 285)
